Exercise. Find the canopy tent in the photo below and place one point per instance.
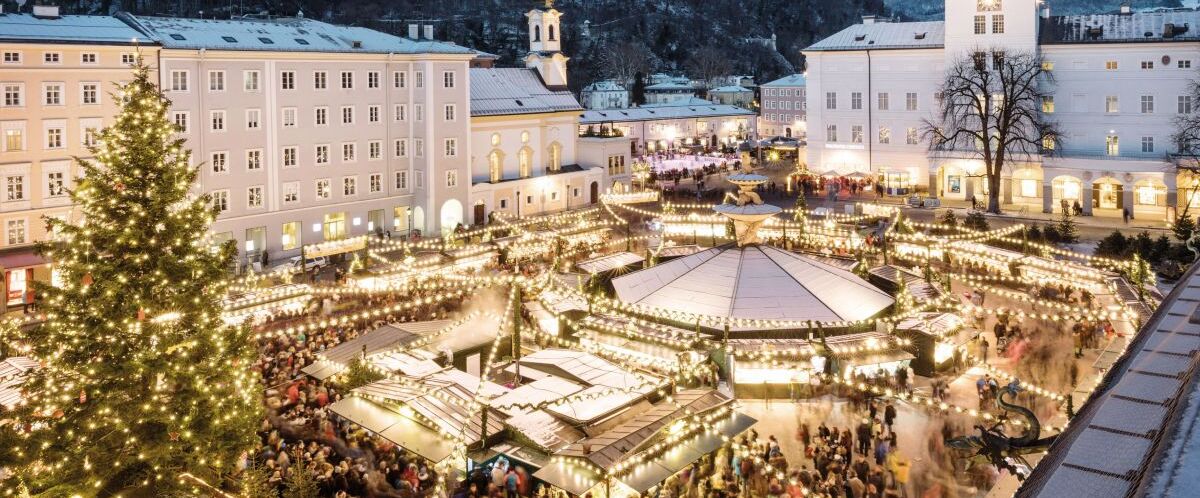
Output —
(394, 427)
(337, 358)
(609, 262)
(441, 400)
(754, 282)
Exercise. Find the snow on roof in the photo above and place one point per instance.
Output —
(68, 29)
(692, 100)
(787, 81)
(730, 89)
(1156, 26)
(648, 113)
(885, 35)
(757, 282)
(1136, 434)
(539, 391)
(604, 86)
(671, 85)
(502, 91)
(281, 34)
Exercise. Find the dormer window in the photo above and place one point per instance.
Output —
(265, 40)
(919, 36)
(177, 36)
(302, 41)
(860, 37)
(229, 39)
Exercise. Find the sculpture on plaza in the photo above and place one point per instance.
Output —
(993, 445)
(748, 211)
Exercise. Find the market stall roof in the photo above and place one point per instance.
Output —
(656, 470)
(413, 362)
(664, 334)
(512, 451)
(754, 282)
(16, 366)
(609, 262)
(679, 251)
(879, 358)
(545, 430)
(584, 368)
(337, 358)
(475, 332)
(441, 400)
(535, 393)
(557, 302)
(13, 371)
(394, 427)
(930, 322)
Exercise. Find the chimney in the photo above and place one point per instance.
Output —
(412, 31)
(46, 12)
(868, 20)
(428, 31)
(1126, 9)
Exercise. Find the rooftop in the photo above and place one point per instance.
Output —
(788, 81)
(604, 86)
(68, 29)
(731, 89)
(1153, 26)
(661, 112)
(884, 35)
(504, 91)
(281, 34)
(671, 85)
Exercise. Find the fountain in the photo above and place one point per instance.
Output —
(748, 212)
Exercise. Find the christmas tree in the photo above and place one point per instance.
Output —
(143, 390)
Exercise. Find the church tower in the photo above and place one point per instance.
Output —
(545, 45)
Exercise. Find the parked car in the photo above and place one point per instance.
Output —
(293, 264)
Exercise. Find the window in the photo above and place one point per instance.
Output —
(401, 180)
(831, 133)
(1147, 104)
(885, 135)
(1184, 63)
(1147, 144)
(420, 77)
(449, 112)
(374, 150)
(52, 93)
(321, 116)
(998, 24)
(348, 152)
(129, 59)
(89, 93)
(319, 80)
(980, 25)
(14, 135)
(254, 159)
(1048, 143)
(400, 112)
(181, 121)
(910, 136)
(291, 192)
(347, 80)
(14, 94)
(289, 157)
(1112, 145)
(253, 119)
(216, 120)
(856, 134)
(910, 101)
(51, 58)
(54, 137)
(1048, 66)
(12, 57)
(15, 188)
(250, 81)
(323, 190)
(525, 163)
(451, 147)
(56, 184)
(401, 148)
(254, 197)
(216, 81)
(375, 182)
(291, 235)
(855, 101)
(289, 117)
(399, 79)
(418, 112)
(179, 81)
(1048, 104)
(349, 186)
(321, 155)
(1110, 65)
(883, 101)
(419, 146)
(220, 200)
(287, 80)
(16, 232)
(373, 114)
(220, 162)
(1184, 104)
(373, 79)
(1112, 104)
(1147, 64)
(831, 100)
(348, 114)
(451, 179)
(555, 157)
(448, 79)
(91, 133)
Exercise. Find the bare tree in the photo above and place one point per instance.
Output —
(1187, 131)
(991, 109)
(622, 60)
(707, 64)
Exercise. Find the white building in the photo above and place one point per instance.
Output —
(735, 95)
(1119, 81)
(605, 94)
(670, 92)
(783, 104)
(670, 127)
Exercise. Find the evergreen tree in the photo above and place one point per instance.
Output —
(143, 388)
(637, 96)
(975, 220)
(1184, 226)
(1067, 229)
(948, 219)
(301, 484)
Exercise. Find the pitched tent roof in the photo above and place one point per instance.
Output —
(284, 34)
(503, 91)
(788, 81)
(884, 35)
(756, 282)
(440, 400)
(1184, 25)
(69, 29)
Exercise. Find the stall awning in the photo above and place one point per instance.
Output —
(394, 427)
(657, 470)
(25, 257)
(609, 262)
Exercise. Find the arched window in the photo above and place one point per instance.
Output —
(537, 33)
(525, 162)
(555, 157)
(495, 166)
(550, 32)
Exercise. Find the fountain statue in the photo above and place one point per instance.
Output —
(748, 211)
(994, 446)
